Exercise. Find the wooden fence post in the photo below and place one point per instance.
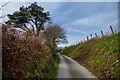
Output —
(96, 35)
(87, 38)
(102, 33)
(112, 29)
(91, 35)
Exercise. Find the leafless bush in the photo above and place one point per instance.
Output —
(15, 46)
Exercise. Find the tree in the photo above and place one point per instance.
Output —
(54, 34)
(31, 18)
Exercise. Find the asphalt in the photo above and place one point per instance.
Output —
(68, 68)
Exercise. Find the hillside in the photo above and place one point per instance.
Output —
(100, 56)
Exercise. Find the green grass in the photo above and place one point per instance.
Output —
(100, 56)
(53, 70)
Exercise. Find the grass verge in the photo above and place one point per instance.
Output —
(46, 67)
(100, 56)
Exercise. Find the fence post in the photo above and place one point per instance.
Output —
(91, 35)
(112, 29)
(96, 35)
(87, 38)
(102, 33)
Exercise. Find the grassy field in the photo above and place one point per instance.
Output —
(100, 56)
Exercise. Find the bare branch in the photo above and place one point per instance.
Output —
(4, 5)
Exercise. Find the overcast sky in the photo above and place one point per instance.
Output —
(80, 19)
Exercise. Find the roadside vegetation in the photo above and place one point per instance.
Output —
(27, 51)
(98, 55)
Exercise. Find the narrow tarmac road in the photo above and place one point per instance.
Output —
(68, 68)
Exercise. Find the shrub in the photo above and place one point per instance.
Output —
(18, 48)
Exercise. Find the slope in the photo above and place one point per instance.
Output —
(99, 55)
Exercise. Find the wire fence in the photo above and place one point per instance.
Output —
(95, 35)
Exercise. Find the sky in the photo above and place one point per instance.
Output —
(79, 19)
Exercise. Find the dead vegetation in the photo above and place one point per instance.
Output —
(17, 48)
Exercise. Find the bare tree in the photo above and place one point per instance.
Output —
(2, 16)
(1, 9)
(54, 35)
(4, 5)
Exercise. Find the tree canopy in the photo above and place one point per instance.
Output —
(31, 18)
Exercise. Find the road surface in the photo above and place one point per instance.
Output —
(68, 68)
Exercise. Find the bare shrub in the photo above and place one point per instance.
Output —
(17, 49)
(11, 53)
